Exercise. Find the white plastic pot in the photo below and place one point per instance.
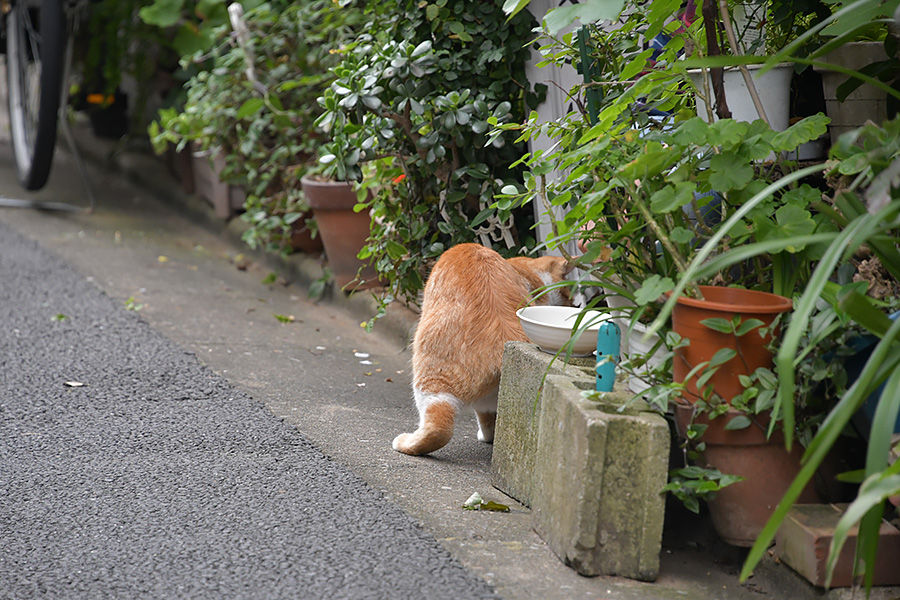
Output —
(773, 87)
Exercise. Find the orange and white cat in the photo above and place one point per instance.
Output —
(468, 313)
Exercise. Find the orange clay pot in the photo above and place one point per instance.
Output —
(723, 302)
(740, 511)
(343, 232)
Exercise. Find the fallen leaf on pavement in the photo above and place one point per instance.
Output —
(476, 502)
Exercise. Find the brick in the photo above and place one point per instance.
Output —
(805, 537)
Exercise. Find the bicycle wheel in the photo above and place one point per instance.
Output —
(35, 55)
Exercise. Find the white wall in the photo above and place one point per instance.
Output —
(559, 81)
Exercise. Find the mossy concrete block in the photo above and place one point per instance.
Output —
(515, 435)
(597, 481)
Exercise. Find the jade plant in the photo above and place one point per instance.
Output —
(407, 115)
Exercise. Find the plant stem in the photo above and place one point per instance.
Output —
(553, 228)
(712, 44)
(692, 289)
(736, 49)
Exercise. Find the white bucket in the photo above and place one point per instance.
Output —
(773, 87)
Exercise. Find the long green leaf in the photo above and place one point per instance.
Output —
(850, 206)
(881, 363)
(864, 312)
(826, 66)
(882, 430)
(739, 254)
(807, 470)
(787, 52)
(850, 238)
(883, 426)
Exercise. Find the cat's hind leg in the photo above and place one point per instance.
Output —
(486, 411)
(437, 415)
(486, 421)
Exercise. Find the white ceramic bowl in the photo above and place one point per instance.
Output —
(550, 327)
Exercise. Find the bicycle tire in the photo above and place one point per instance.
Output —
(35, 58)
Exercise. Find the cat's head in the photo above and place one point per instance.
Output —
(545, 271)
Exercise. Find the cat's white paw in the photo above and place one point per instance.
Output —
(486, 437)
(401, 443)
(486, 423)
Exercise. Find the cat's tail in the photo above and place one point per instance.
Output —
(437, 416)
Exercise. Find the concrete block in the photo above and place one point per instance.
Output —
(515, 435)
(805, 537)
(597, 482)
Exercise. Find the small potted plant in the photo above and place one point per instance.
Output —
(811, 238)
(865, 160)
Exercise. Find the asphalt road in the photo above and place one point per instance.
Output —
(129, 469)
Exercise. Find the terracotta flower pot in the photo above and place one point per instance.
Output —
(722, 302)
(301, 236)
(343, 232)
(740, 511)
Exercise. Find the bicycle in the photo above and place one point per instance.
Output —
(38, 57)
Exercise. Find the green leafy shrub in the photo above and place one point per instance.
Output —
(254, 103)
(408, 115)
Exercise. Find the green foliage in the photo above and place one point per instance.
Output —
(867, 202)
(652, 196)
(659, 205)
(644, 192)
(255, 105)
(192, 24)
(692, 484)
(865, 163)
(408, 114)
